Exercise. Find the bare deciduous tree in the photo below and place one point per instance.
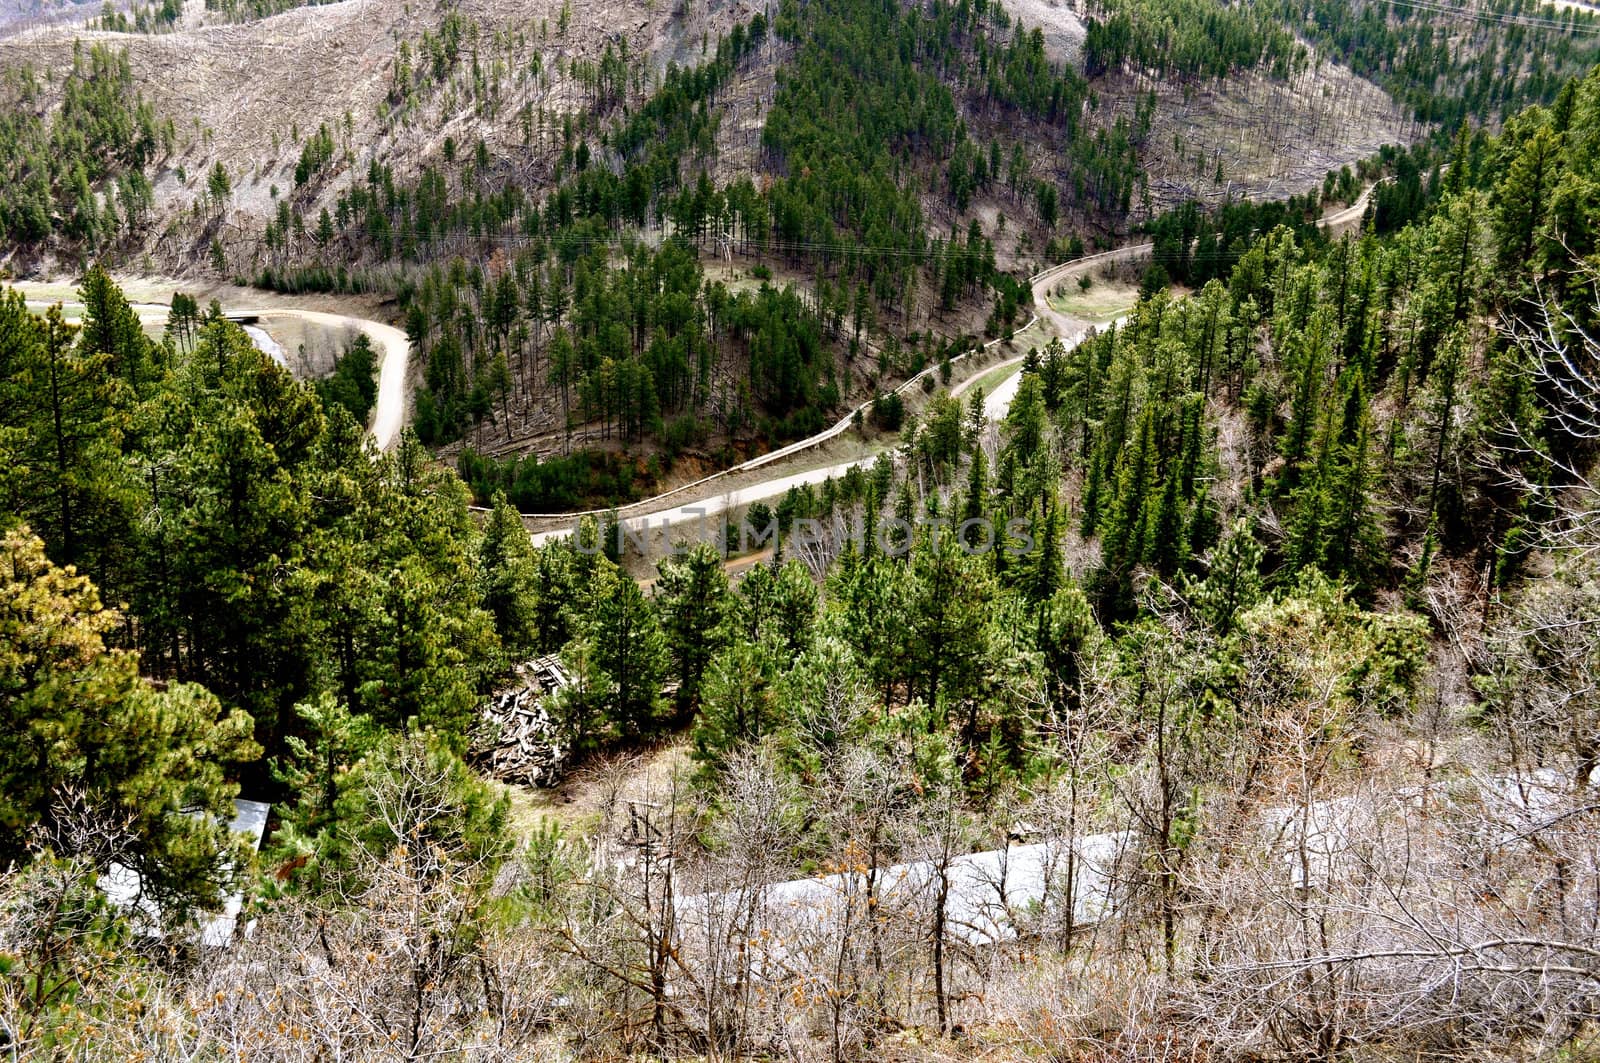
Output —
(1562, 369)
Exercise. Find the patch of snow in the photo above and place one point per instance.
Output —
(124, 887)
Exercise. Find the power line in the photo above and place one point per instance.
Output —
(845, 250)
(1573, 26)
(1580, 23)
(612, 238)
(768, 246)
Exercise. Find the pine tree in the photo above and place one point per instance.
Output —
(1334, 528)
(977, 419)
(950, 596)
(69, 480)
(1093, 496)
(1067, 637)
(694, 601)
(510, 579)
(1309, 364)
(76, 714)
(234, 591)
(1354, 547)
(1046, 574)
(582, 708)
(553, 594)
(1026, 419)
(1453, 265)
(317, 769)
(431, 643)
(873, 604)
(976, 503)
(629, 651)
(111, 329)
(739, 705)
(1166, 547)
(1232, 582)
(1124, 538)
(1445, 385)
(218, 186)
(413, 799)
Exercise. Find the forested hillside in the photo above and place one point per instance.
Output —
(1485, 63)
(863, 186)
(78, 171)
(1189, 40)
(847, 168)
(698, 360)
(1262, 623)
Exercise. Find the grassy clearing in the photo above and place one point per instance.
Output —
(1035, 335)
(1104, 300)
(599, 788)
(992, 379)
(41, 296)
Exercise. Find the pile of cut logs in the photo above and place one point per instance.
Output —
(516, 738)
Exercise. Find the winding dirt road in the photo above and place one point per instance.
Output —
(394, 359)
(701, 500)
(695, 502)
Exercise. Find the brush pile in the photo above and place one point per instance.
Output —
(516, 739)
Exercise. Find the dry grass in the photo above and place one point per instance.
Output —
(591, 798)
(1103, 300)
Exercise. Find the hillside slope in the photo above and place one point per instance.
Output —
(869, 181)
(252, 95)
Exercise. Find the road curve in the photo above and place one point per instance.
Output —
(771, 456)
(394, 351)
(642, 518)
(997, 402)
(709, 511)
(393, 348)
(391, 345)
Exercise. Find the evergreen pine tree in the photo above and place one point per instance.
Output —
(630, 652)
(77, 715)
(510, 578)
(694, 602)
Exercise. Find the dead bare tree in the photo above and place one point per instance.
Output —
(868, 928)
(616, 925)
(727, 932)
(1065, 812)
(1435, 930)
(61, 938)
(1541, 680)
(1165, 701)
(1562, 368)
(395, 956)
